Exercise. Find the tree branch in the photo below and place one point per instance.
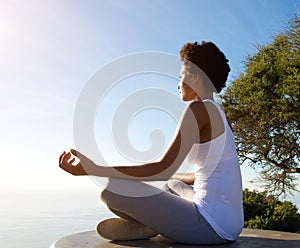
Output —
(294, 170)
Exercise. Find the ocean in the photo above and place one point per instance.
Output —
(36, 219)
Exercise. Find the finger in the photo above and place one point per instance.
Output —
(61, 156)
(66, 158)
(74, 152)
(72, 161)
(77, 153)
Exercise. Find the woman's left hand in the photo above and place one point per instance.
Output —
(83, 168)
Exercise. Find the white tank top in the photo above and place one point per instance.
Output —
(218, 183)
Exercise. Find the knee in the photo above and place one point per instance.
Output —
(172, 183)
(104, 196)
(106, 193)
(110, 198)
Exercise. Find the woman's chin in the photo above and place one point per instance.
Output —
(185, 99)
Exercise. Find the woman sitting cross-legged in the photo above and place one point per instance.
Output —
(204, 207)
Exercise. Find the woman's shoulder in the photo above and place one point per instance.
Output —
(197, 107)
(198, 110)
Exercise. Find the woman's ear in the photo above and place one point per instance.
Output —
(204, 79)
(194, 76)
(197, 78)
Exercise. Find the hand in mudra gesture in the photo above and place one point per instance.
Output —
(83, 168)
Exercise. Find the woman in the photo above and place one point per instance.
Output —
(204, 207)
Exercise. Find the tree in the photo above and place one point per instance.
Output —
(263, 106)
(264, 211)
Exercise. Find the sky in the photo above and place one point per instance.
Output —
(50, 49)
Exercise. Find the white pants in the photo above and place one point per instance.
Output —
(168, 210)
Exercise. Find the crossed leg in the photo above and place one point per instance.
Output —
(168, 211)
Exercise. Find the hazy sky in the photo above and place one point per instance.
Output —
(50, 48)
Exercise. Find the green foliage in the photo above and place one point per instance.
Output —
(264, 211)
(263, 106)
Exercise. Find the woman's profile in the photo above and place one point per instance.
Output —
(204, 207)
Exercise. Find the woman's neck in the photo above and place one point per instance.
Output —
(203, 96)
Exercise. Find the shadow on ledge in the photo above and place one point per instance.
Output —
(248, 238)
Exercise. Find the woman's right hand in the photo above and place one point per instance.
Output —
(83, 168)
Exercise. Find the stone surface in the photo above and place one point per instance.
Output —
(249, 238)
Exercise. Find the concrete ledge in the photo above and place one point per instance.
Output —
(248, 238)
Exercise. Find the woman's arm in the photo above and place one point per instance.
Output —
(187, 133)
(187, 178)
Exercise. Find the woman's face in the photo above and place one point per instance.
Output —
(187, 93)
